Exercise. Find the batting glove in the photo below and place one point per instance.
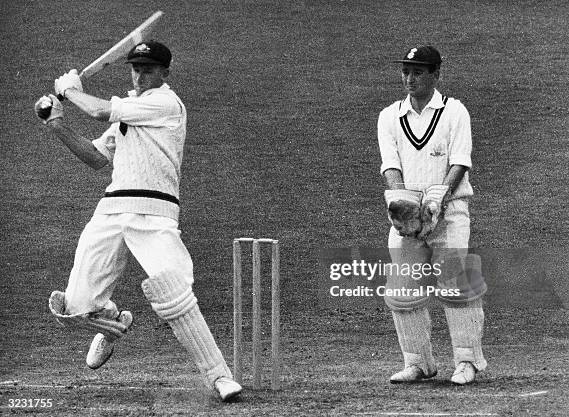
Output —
(432, 208)
(67, 81)
(49, 108)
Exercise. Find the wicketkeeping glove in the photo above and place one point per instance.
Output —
(432, 208)
(404, 211)
(67, 81)
(48, 108)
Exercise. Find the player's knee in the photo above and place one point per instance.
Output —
(462, 282)
(170, 294)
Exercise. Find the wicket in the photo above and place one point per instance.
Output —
(256, 320)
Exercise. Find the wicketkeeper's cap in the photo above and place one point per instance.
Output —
(150, 52)
(421, 55)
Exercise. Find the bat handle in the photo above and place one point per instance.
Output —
(60, 97)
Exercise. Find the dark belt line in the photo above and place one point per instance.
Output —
(143, 193)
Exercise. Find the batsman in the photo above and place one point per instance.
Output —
(425, 144)
(138, 214)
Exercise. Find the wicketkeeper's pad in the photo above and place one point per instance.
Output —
(465, 275)
(91, 321)
(404, 211)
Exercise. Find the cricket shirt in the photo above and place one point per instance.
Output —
(145, 145)
(424, 146)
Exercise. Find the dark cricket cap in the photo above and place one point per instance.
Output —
(150, 52)
(421, 55)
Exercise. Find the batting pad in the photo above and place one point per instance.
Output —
(464, 275)
(406, 303)
(414, 334)
(112, 329)
(172, 298)
(403, 292)
(465, 324)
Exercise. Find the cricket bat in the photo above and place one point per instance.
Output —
(118, 51)
(121, 49)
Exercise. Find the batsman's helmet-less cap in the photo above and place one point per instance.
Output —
(150, 52)
(422, 55)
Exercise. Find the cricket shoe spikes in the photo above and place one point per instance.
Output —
(227, 388)
(464, 374)
(101, 348)
(409, 375)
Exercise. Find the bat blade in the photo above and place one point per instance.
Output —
(121, 48)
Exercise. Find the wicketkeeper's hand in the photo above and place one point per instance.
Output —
(49, 108)
(67, 81)
(404, 211)
(432, 208)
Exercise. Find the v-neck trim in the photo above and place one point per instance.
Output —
(419, 143)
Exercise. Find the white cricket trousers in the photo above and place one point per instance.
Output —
(414, 326)
(101, 257)
(103, 251)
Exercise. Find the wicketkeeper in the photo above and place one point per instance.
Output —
(138, 214)
(425, 143)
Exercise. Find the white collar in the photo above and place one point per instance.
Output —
(132, 93)
(436, 102)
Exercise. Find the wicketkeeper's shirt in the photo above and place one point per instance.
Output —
(145, 145)
(424, 146)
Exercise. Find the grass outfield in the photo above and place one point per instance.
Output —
(282, 102)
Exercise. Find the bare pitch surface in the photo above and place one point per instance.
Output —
(282, 102)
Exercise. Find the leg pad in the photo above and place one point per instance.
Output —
(414, 334)
(466, 326)
(465, 275)
(172, 298)
(91, 321)
(170, 295)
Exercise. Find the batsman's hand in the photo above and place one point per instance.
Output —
(404, 211)
(67, 81)
(49, 108)
(432, 208)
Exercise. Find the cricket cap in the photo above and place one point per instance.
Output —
(421, 55)
(150, 52)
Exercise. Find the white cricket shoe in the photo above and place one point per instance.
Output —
(410, 374)
(101, 348)
(464, 374)
(227, 388)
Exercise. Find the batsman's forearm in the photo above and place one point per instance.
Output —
(81, 147)
(95, 107)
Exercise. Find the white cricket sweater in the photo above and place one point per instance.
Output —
(424, 146)
(145, 145)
